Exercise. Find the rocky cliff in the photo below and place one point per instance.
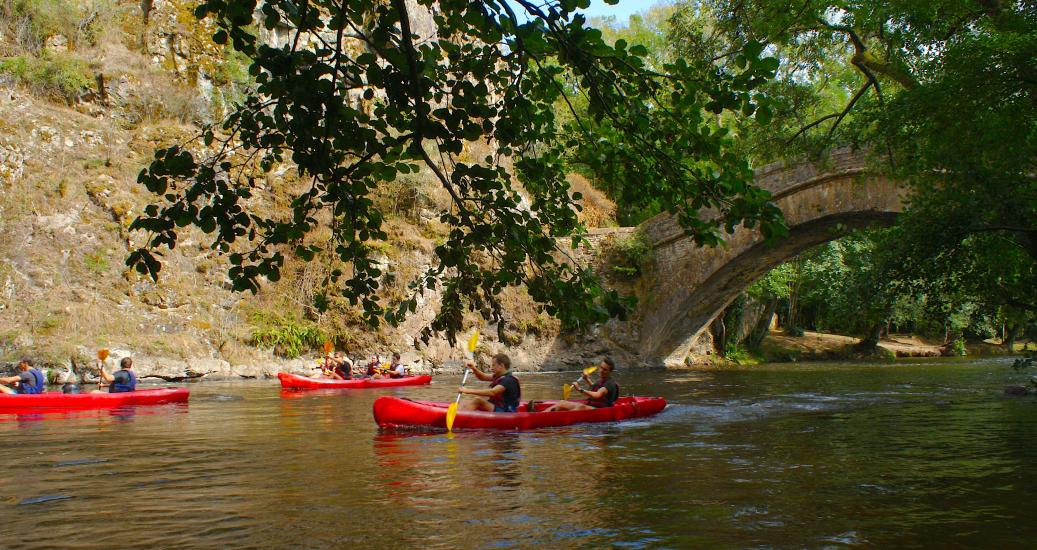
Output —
(84, 102)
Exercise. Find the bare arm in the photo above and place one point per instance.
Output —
(600, 393)
(484, 376)
(105, 377)
(9, 379)
(490, 392)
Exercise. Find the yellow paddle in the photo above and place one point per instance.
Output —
(568, 388)
(327, 351)
(451, 411)
(102, 354)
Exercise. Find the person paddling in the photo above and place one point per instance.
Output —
(30, 380)
(342, 367)
(336, 367)
(603, 393)
(504, 392)
(122, 380)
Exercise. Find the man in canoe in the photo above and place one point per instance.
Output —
(122, 380)
(343, 367)
(602, 393)
(337, 367)
(504, 392)
(396, 367)
(30, 380)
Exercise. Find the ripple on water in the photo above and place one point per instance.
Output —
(43, 499)
(80, 462)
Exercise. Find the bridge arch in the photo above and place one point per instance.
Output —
(692, 285)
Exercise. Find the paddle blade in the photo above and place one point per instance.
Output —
(473, 342)
(327, 347)
(451, 414)
(566, 390)
(102, 354)
(590, 370)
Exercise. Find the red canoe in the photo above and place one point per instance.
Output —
(296, 382)
(57, 401)
(394, 412)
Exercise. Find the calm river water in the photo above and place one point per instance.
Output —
(926, 454)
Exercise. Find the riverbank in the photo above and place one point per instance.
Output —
(528, 356)
(817, 346)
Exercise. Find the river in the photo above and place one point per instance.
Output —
(916, 454)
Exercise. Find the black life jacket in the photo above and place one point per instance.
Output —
(609, 398)
(509, 399)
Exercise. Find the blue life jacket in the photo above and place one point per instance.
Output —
(41, 383)
(124, 381)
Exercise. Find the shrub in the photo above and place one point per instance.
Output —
(162, 99)
(629, 256)
(230, 82)
(57, 77)
(289, 337)
(739, 355)
(80, 22)
(794, 331)
(96, 263)
(405, 196)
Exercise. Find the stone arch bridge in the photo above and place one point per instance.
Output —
(689, 286)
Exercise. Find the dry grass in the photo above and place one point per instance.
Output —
(598, 210)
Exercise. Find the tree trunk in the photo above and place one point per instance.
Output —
(719, 331)
(733, 316)
(102, 90)
(763, 325)
(871, 340)
(1010, 334)
(146, 6)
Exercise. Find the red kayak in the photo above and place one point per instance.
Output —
(394, 412)
(296, 382)
(57, 401)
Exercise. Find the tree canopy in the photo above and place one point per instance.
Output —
(355, 97)
(944, 95)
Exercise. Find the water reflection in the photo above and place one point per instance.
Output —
(784, 456)
(125, 413)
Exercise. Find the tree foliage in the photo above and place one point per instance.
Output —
(943, 93)
(356, 98)
(883, 279)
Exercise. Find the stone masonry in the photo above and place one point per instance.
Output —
(691, 285)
